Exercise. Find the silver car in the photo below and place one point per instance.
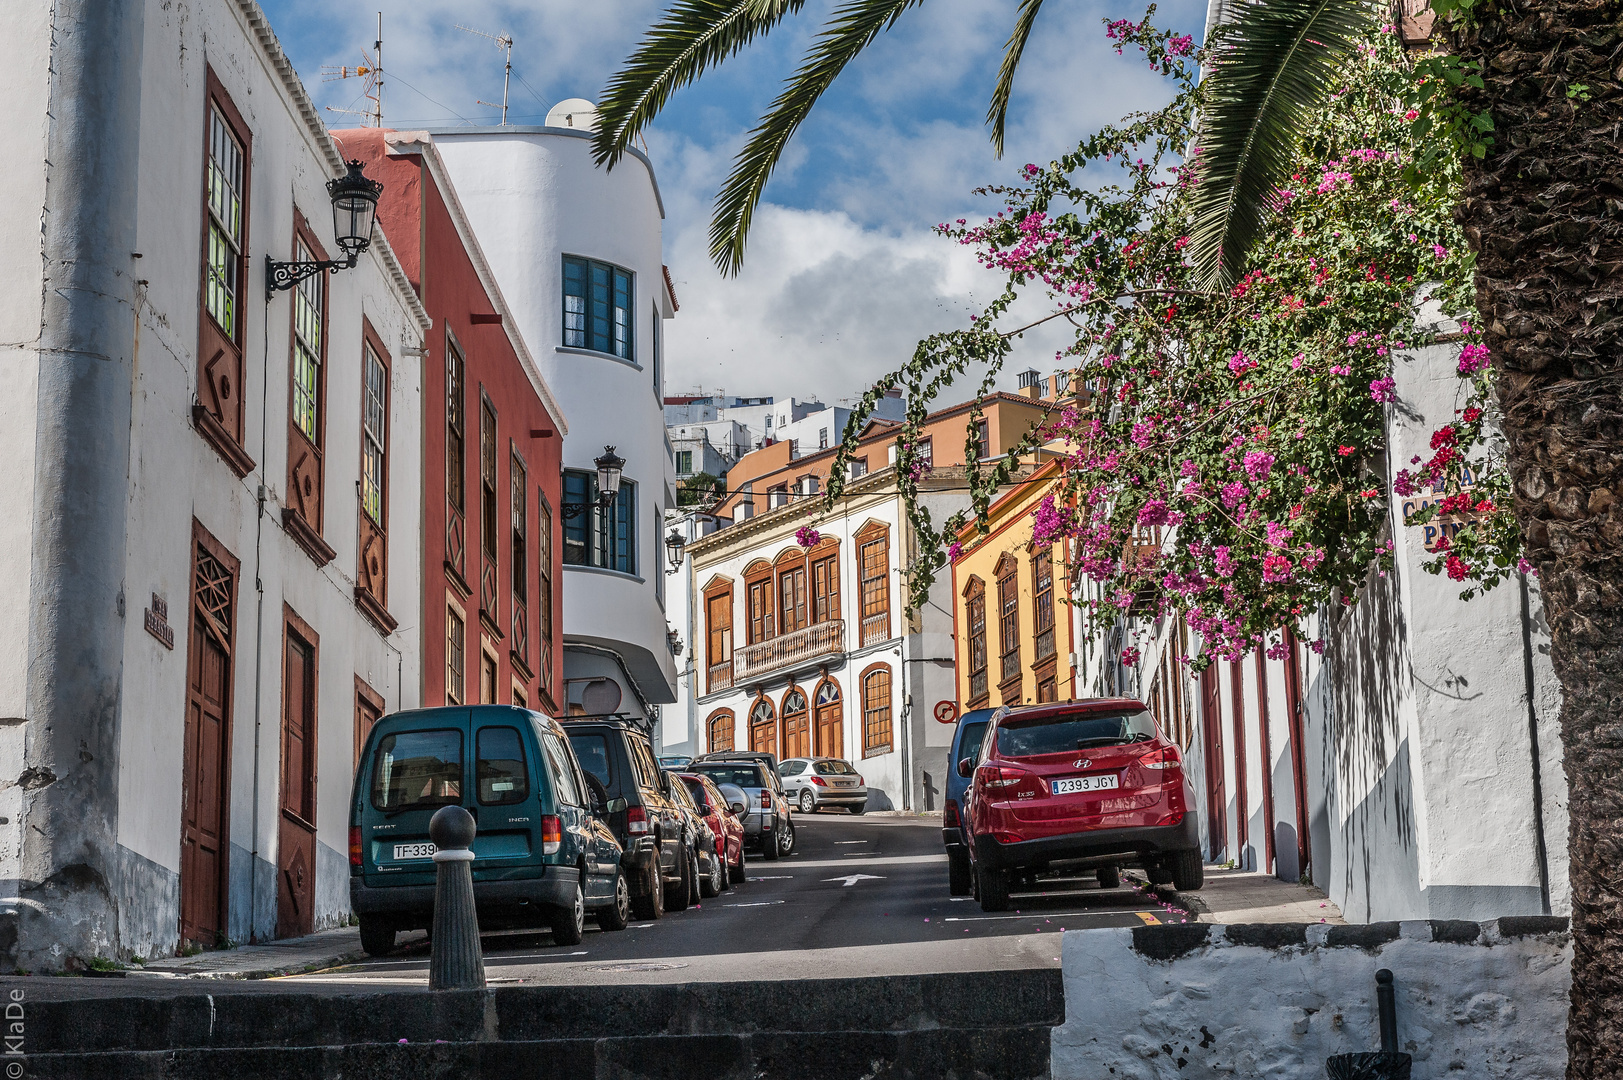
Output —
(811, 783)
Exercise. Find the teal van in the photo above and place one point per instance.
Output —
(543, 856)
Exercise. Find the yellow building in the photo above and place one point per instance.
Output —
(1012, 629)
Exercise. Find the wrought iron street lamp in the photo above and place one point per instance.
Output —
(609, 467)
(675, 545)
(354, 208)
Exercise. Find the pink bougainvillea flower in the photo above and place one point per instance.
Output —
(1383, 389)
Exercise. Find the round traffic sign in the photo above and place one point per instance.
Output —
(946, 712)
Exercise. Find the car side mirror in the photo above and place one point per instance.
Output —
(965, 766)
(736, 809)
(615, 806)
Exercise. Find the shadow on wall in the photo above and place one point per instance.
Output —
(879, 799)
(1367, 758)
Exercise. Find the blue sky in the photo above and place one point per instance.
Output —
(843, 275)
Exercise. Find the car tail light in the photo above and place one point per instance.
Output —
(1166, 758)
(766, 799)
(1006, 781)
(1007, 837)
(818, 780)
(552, 834)
(860, 781)
(354, 845)
(950, 813)
(636, 821)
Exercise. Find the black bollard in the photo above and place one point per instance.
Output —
(1388, 1063)
(455, 960)
(1386, 1002)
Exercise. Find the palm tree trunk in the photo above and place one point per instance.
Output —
(1545, 214)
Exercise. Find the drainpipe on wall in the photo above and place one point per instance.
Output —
(259, 625)
(1540, 851)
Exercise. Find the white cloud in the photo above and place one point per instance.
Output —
(842, 275)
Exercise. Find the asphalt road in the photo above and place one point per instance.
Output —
(859, 896)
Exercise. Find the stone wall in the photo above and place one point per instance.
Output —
(1477, 1000)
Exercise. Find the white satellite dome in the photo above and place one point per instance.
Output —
(573, 113)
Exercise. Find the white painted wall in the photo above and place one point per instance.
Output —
(538, 190)
(766, 536)
(1426, 755)
(175, 476)
(1496, 1007)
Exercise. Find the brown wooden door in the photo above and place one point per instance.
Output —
(202, 839)
(1298, 750)
(796, 726)
(1211, 720)
(296, 846)
(830, 725)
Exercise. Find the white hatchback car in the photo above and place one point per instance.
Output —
(810, 783)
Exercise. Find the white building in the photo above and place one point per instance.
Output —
(1413, 770)
(194, 641)
(799, 651)
(579, 263)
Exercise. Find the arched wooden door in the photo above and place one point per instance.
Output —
(830, 720)
(763, 727)
(796, 725)
(720, 727)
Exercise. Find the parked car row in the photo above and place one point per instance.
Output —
(1062, 787)
(576, 819)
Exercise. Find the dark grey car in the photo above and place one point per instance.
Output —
(766, 818)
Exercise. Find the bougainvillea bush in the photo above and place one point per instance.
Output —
(1243, 429)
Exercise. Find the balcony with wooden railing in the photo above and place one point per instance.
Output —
(787, 650)
(721, 676)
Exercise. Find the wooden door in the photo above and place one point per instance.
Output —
(1242, 797)
(792, 600)
(1211, 721)
(205, 784)
(830, 726)
(296, 841)
(1298, 751)
(796, 726)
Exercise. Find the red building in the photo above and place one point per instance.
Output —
(492, 437)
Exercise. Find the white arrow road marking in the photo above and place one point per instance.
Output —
(852, 879)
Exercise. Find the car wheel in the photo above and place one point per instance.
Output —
(1109, 877)
(677, 896)
(713, 883)
(769, 846)
(695, 889)
(960, 876)
(1188, 871)
(858, 808)
(616, 916)
(993, 889)
(377, 936)
(808, 802)
(786, 840)
(569, 924)
(651, 905)
(737, 873)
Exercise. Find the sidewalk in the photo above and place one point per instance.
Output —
(292, 956)
(1240, 896)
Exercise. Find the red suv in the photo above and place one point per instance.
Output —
(1079, 784)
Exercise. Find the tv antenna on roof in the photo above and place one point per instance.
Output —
(505, 41)
(371, 69)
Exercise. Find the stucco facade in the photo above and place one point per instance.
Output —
(185, 529)
(493, 434)
(559, 215)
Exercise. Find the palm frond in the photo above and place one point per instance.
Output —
(694, 36)
(998, 113)
(852, 28)
(1272, 66)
